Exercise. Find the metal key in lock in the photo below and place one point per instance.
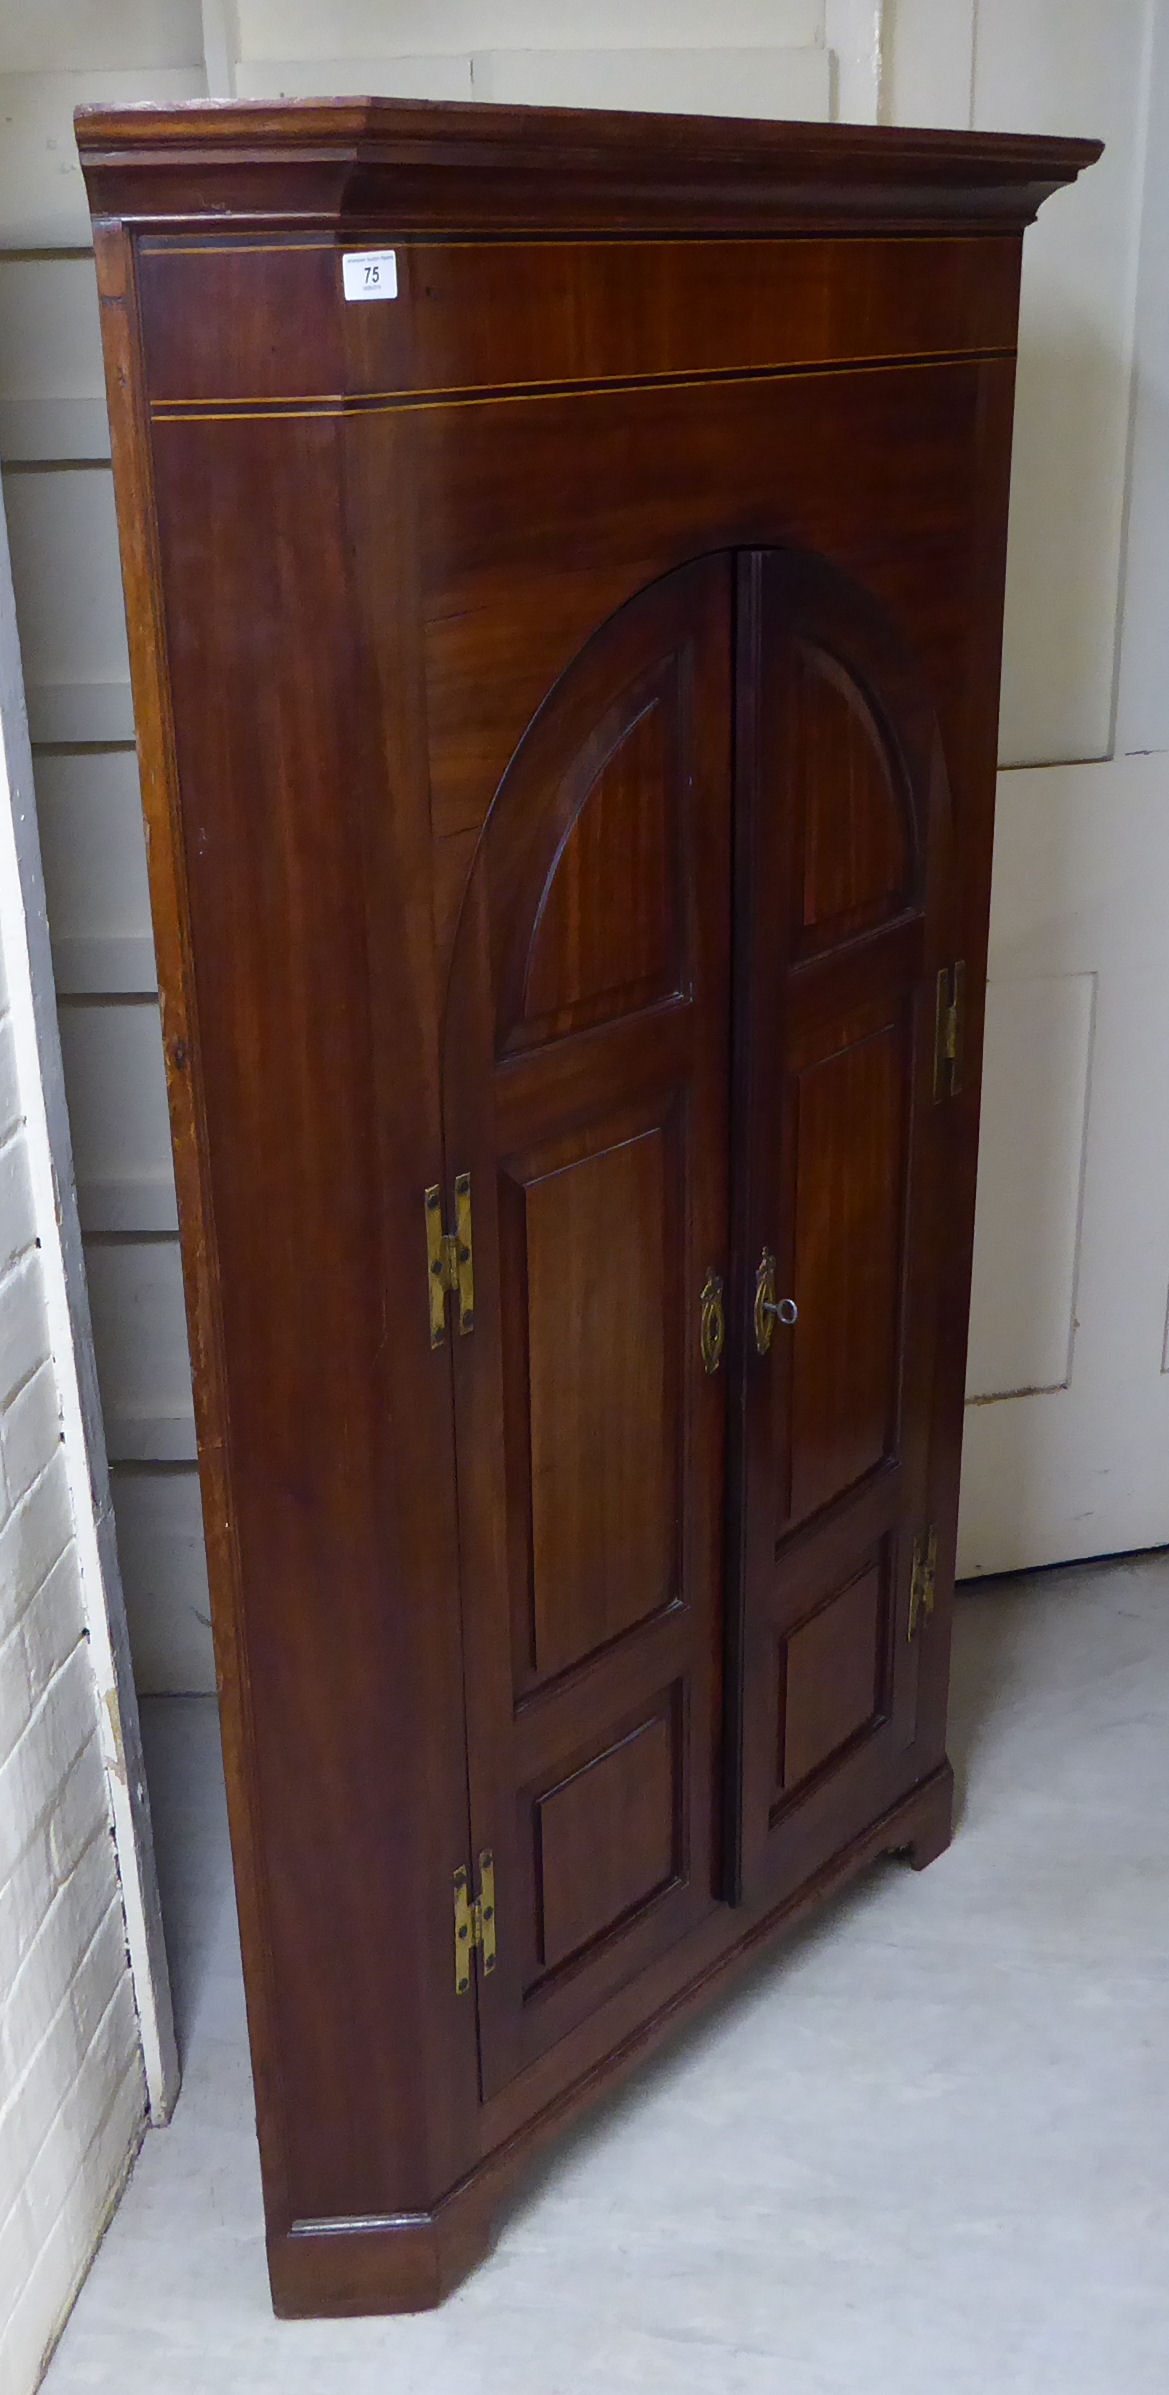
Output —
(768, 1308)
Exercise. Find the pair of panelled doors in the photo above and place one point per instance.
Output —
(688, 1069)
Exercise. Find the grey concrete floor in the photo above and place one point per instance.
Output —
(924, 2146)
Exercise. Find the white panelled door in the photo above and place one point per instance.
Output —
(751, 58)
(1072, 1246)
(1067, 1432)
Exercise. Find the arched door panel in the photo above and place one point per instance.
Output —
(586, 1095)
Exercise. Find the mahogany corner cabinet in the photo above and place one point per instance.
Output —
(564, 558)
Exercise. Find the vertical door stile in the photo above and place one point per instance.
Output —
(476, 1411)
(748, 832)
(841, 894)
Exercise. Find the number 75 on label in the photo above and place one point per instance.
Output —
(370, 274)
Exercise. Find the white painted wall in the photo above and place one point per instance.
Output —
(54, 446)
(1142, 702)
(1073, 1226)
(1069, 1362)
(73, 2092)
(1071, 65)
(1066, 1429)
(785, 55)
(1065, 1436)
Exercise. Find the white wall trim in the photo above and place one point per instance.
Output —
(1140, 712)
(854, 33)
(221, 47)
(928, 57)
(24, 940)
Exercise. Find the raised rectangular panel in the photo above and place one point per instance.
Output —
(1030, 1176)
(38, 431)
(143, 1202)
(140, 1335)
(830, 1671)
(369, 28)
(42, 196)
(849, 1205)
(589, 961)
(68, 584)
(429, 77)
(1080, 869)
(607, 1837)
(116, 1089)
(1054, 67)
(100, 33)
(603, 1447)
(856, 848)
(96, 885)
(52, 329)
(52, 394)
(164, 1575)
(743, 82)
(113, 965)
(928, 57)
(725, 82)
(74, 713)
(853, 33)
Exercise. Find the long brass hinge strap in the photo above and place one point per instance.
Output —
(474, 1922)
(462, 1257)
(450, 1264)
(949, 1029)
(923, 1583)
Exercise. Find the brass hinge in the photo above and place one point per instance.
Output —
(474, 1922)
(923, 1585)
(949, 1027)
(450, 1260)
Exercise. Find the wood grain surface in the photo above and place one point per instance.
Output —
(566, 699)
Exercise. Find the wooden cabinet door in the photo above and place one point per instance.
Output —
(841, 880)
(586, 1095)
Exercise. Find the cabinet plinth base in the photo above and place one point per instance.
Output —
(934, 1820)
(334, 2269)
(338, 2269)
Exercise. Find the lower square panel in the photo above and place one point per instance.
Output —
(831, 1674)
(607, 1838)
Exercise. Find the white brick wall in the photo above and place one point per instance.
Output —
(72, 2088)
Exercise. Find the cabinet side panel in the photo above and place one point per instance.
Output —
(972, 753)
(133, 481)
(280, 862)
